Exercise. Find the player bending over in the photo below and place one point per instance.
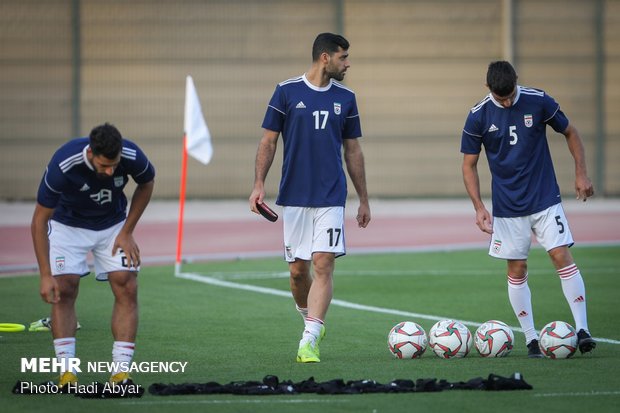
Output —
(81, 208)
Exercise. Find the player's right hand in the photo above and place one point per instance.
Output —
(484, 221)
(49, 290)
(256, 197)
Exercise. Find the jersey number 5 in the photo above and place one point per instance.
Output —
(513, 134)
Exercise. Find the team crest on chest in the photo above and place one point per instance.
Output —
(337, 108)
(118, 181)
(528, 120)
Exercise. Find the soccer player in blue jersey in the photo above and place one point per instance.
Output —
(511, 122)
(81, 208)
(317, 117)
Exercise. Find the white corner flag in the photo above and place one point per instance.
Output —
(198, 138)
(197, 143)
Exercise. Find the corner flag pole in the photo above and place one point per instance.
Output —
(197, 143)
(177, 265)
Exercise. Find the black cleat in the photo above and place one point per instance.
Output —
(533, 350)
(585, 341)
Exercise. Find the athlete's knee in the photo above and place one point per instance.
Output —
(68, 287)
(323, 264)
(561, 256)
(299, 270)
(517, 269)
(124, 285)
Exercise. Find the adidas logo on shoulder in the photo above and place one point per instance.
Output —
(84, 188)
(300, 105)
(493, 128)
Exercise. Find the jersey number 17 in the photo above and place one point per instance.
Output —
(320, 119)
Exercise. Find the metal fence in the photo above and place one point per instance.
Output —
(417, 67)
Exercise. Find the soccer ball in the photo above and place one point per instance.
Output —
(407, 340)
(494, 339)
(450, 339)
(558, 340)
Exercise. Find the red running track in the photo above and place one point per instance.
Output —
(256, 237)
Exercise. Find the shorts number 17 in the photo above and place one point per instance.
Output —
(331, 232)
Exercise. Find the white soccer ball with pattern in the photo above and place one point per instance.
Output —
(450, 339)
(558, 340)
(407, 340)
(494, 339)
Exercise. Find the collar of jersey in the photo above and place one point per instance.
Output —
(496, 103)
(318, 89)
(86, 161)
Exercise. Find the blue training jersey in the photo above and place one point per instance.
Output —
(79, 197)
(515, 143)
(313, 122)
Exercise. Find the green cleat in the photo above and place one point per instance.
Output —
(318, 341)
(308, 353)
(45, 324)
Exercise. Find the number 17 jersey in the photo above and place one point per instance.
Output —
(313, 122)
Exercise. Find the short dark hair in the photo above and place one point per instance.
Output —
(106, 140)
(328, 43)
(501, 78)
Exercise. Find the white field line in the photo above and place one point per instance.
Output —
(580, 394)
(341, 303)
(267, 275)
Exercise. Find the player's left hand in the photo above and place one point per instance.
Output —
(127, 243)
(363, 215)
(584, 188)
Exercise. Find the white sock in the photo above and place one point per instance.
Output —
(312, 330)
(122, 352)
(302, 311)
(521, 300)
(65, 350)
(575, 293)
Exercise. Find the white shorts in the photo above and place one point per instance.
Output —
(69, 248)
(512, 237)
(310, 230)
